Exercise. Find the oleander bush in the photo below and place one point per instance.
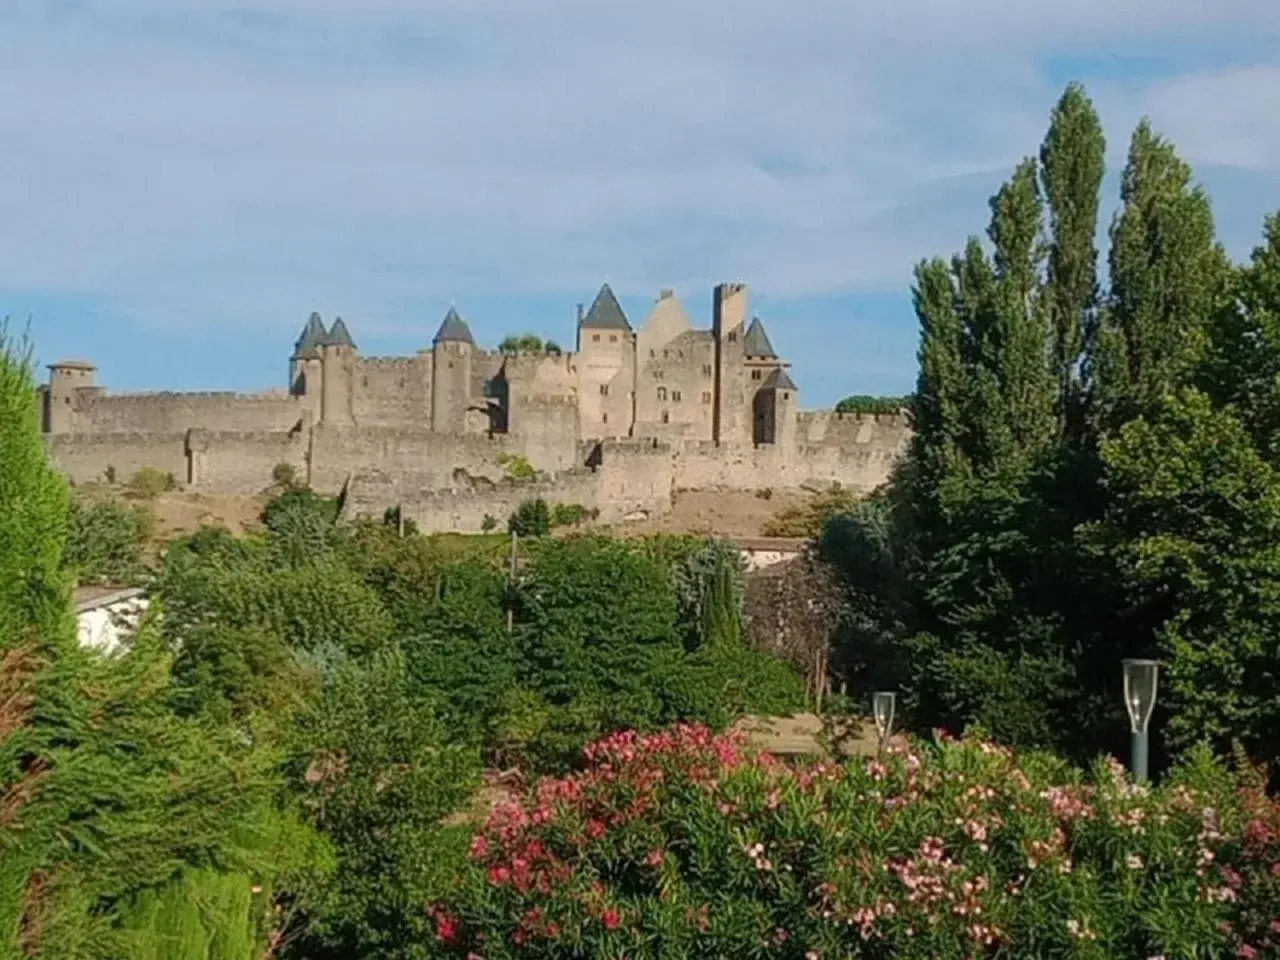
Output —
(685, 844)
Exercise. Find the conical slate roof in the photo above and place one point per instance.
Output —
(339, 336)
(454, 330)
(311, 338)
(756, 342)
(779, 380)
(606, 313)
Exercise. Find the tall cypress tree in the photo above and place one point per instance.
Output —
(1072, 162)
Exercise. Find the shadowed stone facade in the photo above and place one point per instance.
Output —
(617, 424)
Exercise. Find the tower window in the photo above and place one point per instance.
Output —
(613, 338)
(662, 393)
(604, 418)
(786, 396)
(755, 374)
(604, 389)
(733, 336)
(666, 417)
(675, 396)
(706, 396)
(706, 369)
(595, 338)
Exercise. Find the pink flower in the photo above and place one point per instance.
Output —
(595, 829)
(654, 859)
(609, 919)
(446, 927)
(479, 847)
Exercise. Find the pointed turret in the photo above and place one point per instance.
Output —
(454, 329)
(779, 380)
(606, 313)
(339, 335)
(755, 342)
(310, 340)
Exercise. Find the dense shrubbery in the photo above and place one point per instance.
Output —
(381, 668)
(682, 844)
(106, 540)
(148, 483)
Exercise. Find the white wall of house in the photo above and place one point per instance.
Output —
(107, 624)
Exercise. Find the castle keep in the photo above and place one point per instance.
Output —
(617, 424)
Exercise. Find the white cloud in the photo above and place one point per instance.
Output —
(248, 159)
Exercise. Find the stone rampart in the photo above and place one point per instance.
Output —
(452, 481)
(242, 462)
(89, 458)
(166, 413)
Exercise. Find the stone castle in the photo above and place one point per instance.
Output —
(449, 434)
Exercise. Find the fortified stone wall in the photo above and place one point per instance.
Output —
(545, 430)
(389, 391)
(462, 507)
(87, 458)
(631, 480)
(339, 452)
(239, 462)
(172, 412)
(855, 450)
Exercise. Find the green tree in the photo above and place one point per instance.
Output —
(1024, 364)
(1072, 163)
(34, 587)
(106, 540)
(1192, 527)
(722, 599)
(1168, 280)
(531, 519)
(522, 343)
(378, 777)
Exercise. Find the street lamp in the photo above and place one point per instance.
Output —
(882, 702)
(1139, 701)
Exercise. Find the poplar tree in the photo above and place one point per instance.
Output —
(1017, 339)
(1168, 276)
(1072, 163)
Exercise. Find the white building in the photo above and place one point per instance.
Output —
(106, 617)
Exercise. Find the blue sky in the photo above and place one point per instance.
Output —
(183, 181)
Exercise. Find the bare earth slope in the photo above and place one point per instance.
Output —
(723, 513)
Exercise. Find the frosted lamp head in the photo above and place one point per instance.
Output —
(882, 703)
(1140, 692)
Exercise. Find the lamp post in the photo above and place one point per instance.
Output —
(1139, 701)
(882, 703)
